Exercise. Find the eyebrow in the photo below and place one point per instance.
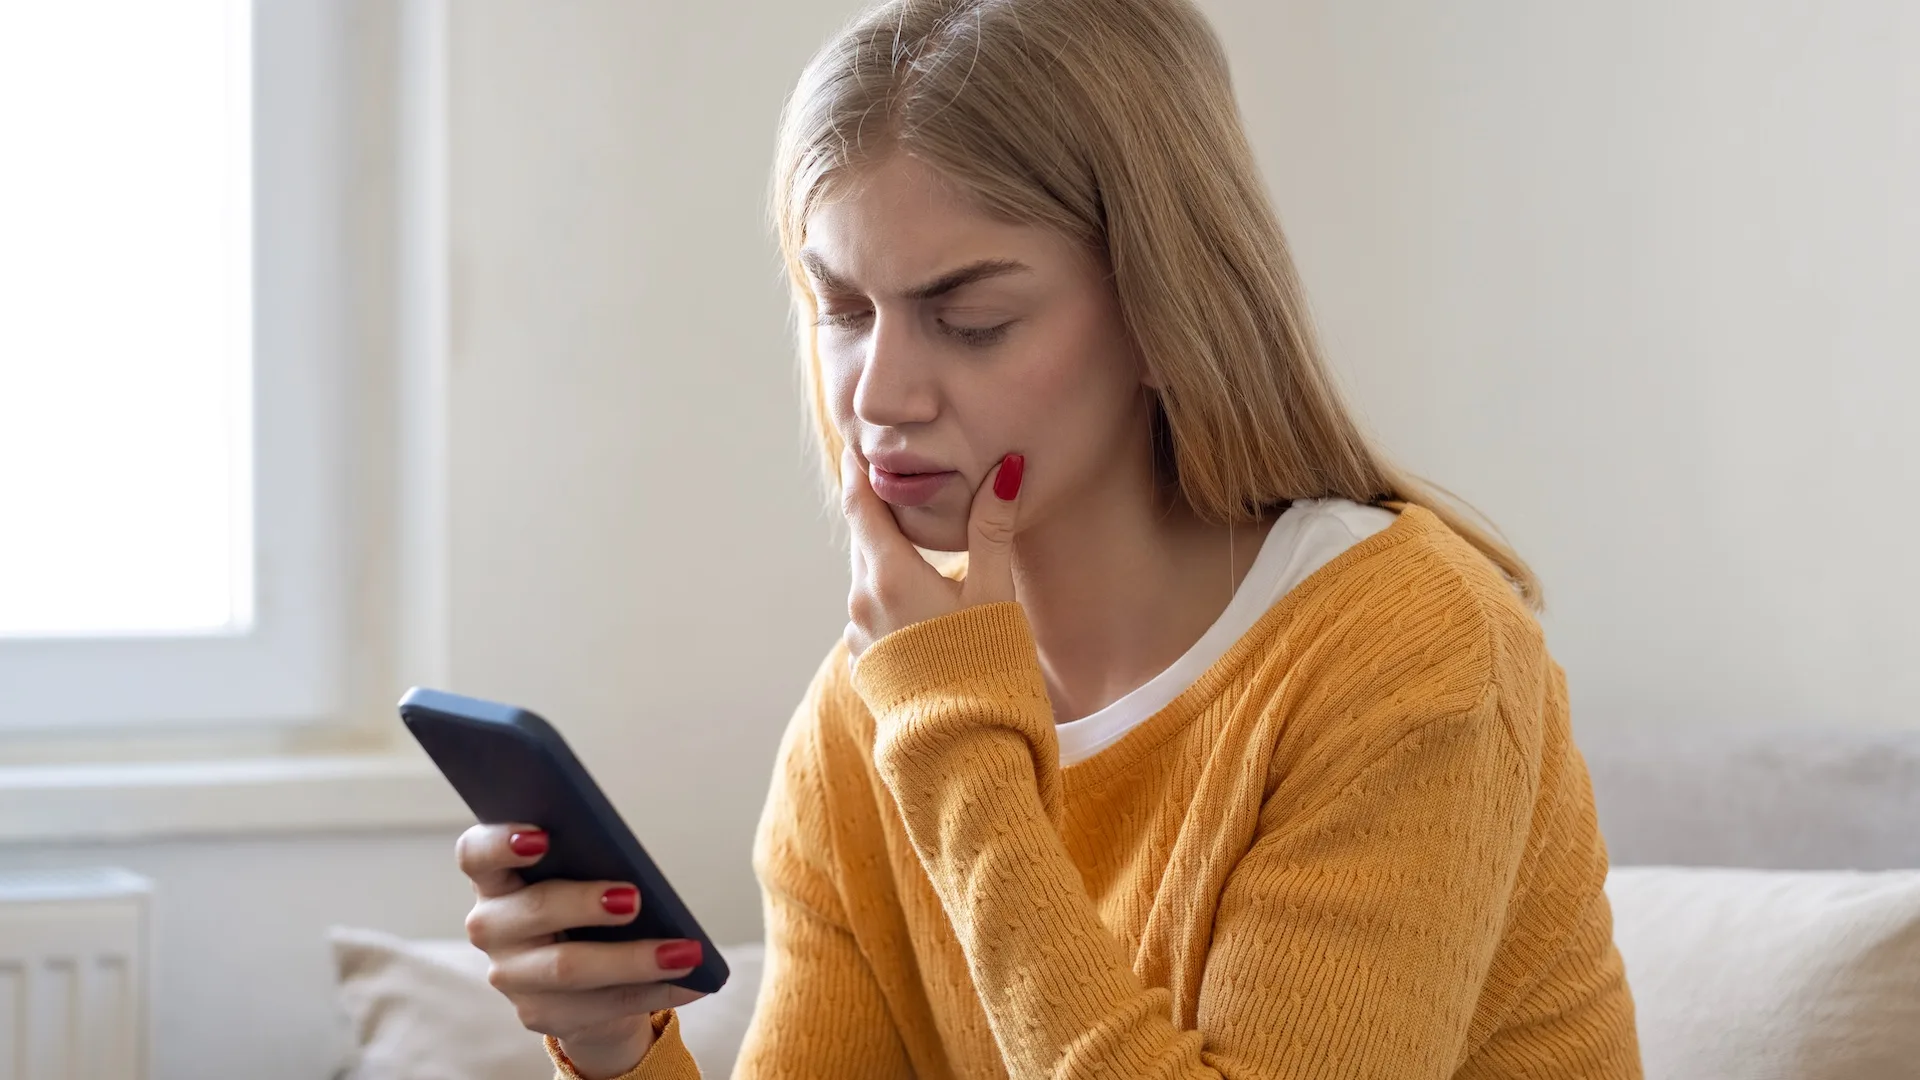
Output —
(940, 286)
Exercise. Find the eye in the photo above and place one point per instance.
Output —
(844, 320)
(977, 336)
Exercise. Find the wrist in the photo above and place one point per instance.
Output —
(598, 1060)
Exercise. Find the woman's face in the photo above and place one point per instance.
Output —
(949, 339)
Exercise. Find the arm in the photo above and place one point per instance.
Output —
(1319, 961)
(1362, 933)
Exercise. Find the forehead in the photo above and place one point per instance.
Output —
(898, 223)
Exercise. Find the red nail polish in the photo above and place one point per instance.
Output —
(528, 843)
(1007, 484)
(677, 954)
(620, 900)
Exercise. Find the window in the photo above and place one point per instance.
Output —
(170, 391)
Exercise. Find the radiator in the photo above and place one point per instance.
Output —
(73, 975)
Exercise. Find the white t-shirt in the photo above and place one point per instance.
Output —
(1307, 536)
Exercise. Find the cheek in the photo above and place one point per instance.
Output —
(1074, 396)
(839, 378)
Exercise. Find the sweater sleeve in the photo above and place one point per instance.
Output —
(1351, 940)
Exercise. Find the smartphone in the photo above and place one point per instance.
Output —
(511, 766)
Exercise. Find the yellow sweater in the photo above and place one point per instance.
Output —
(1361, 845)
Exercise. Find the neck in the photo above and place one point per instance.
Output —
(1121, 583)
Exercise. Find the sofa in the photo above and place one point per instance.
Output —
(1766, 893)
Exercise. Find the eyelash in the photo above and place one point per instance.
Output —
(840, 321)
(979, 337)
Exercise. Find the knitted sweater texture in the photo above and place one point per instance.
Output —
(1362, 844)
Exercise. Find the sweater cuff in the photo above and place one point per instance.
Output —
(667, 1059)
(986, 647)
(958, 692)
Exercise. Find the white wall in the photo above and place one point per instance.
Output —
(1642, 281)
(639, 551)
(1638, 279)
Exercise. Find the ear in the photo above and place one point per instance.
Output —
(1147, 376)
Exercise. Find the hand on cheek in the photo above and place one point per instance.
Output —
(893, 587)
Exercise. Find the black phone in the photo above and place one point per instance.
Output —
(512, 766)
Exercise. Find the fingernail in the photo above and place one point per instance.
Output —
(677, 954)
(620, 900)
(528, 843)
(1007, 484)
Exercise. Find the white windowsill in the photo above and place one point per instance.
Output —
(155, 800)
(355, 775)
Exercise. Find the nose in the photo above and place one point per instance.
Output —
(896, 385)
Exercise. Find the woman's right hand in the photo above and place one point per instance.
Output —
(593, 996)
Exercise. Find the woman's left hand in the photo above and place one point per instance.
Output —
(893, 587)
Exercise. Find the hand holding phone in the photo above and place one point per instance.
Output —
(595, 997)
(586, 936)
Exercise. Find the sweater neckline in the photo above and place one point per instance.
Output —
(1296, 546)
(1412, 520)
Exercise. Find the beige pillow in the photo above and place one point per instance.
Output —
(1772, 975)
(422, 1010)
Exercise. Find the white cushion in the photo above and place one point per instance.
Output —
(1772, 975)
(423, 1010)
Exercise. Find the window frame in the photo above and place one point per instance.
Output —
(290, 666)
(115, 782)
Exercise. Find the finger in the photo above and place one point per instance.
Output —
(858, 641)
(543, 909)
(859, 589)
(565, 1015)
(857, 560)
(875, 533)
(491, 854)
(990, 530)
(592, 965)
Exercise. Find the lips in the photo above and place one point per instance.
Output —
(906, 479)
(902, 463)
(908, 489)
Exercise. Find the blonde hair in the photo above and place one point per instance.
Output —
(1113, 122)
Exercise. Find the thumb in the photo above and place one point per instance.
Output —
(990, 529)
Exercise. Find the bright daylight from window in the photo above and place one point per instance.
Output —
(125, 318)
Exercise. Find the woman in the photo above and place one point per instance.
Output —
(1230, 752)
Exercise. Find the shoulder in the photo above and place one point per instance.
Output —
(816, 743)
(1339, 520)
(829, 733)
(836, 713)
(1409, 627)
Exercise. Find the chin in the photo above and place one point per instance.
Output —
(931, 529)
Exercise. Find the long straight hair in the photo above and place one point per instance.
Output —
(1114, 123)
